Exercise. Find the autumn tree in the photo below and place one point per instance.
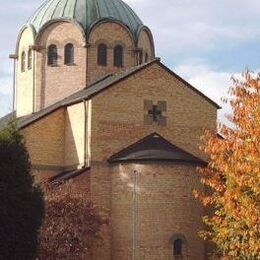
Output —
(21, 202)
(233, 175)
(72, 224)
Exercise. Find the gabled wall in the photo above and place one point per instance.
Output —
(165, 204)
(118, 113)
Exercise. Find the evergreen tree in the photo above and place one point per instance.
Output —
(21, 202)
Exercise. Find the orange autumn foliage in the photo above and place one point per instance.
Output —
(232, 177)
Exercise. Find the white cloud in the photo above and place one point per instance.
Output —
(181, 28)
(214, 84)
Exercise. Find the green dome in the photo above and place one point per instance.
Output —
(86, 13)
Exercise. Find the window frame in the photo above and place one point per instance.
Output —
(23, 61)
(146, 58)
(141, 58)
(177, 247)
(69, 54)
(102, 54)
(119, 56)
(52, 55)
(30, 59)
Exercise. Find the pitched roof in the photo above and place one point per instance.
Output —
(154, 147)
(97, 87)
(84, 94)
(67, 175)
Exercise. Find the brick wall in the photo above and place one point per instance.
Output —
(144, 42)
(119, 112)
(57, 82)
(45, 141)
(165, 206)
(111, 34)
(166, 203)
(53, 83)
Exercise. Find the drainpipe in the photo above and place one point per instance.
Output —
(135, 216)
(14, 57)
(85, 133)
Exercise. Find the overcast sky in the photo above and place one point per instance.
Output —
(205, 42)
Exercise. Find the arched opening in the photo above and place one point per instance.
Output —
(102, 54)
(52, 55)
(177, 247)
(146, 58)
(69, 54)
(141, 56)
(30, 59)
(118, 56)
(23, 61)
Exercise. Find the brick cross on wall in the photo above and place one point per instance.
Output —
(154, 113)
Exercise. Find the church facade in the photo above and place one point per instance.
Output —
(98, 108)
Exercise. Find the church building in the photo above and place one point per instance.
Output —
(97, 107)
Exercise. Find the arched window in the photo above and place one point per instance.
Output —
(146, 58)
(177, 247)
(52, 55)
(69, 54)
(141, 57)
(102, 54)
(30, 58)
(23, 61)
(118, 56)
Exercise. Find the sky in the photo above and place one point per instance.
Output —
(205, 42)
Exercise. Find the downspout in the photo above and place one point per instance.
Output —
(34, 66)
(14, 57)
(89, 125)
(85, 133)
(135, 216)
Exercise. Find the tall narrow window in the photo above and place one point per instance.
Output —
(52, 55)
(146, 58)
(177, 247)
(140, 57)
(102, 54)
(30, 58)
(69, 54)
(118, 56)
(23, 61)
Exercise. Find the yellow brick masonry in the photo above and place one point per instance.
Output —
(53, 83)
(58, 82)
(45, 140)
(119, 111)
(166, 205)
